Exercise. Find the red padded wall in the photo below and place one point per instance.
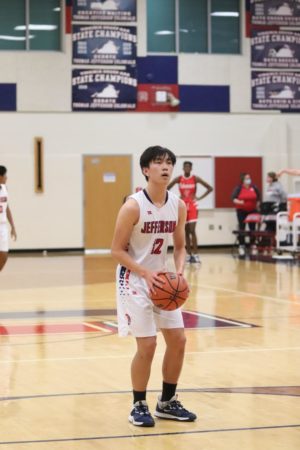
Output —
(227, 176)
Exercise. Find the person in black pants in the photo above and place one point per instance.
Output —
(245, 197)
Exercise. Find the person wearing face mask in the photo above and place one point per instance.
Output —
(246, 198)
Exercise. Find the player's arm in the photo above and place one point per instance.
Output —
(235, 194)
(173, 182)
(11, 222)
(127, 218)
(179, 239)
(289, 172)
(207, 186)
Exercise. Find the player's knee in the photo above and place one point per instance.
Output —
(147, 349)
(178, 343)
(181, 342)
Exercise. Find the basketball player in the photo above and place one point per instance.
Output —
(5, 216)
(187, 188)
(139, 245)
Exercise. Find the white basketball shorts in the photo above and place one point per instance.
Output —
(3, 237)
(136, 313)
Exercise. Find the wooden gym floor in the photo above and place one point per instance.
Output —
(64, 372)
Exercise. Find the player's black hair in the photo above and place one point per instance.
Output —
(3, 171)
(151, 153)
(188, 162)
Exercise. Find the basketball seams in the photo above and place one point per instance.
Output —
(172, 294)
(166, 306)
(166, 278)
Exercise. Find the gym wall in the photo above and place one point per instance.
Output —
(54, 219)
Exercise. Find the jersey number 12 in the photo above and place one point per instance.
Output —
(157, 245)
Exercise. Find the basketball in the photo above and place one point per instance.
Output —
(172, 294)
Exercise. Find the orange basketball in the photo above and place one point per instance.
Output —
(172, 294)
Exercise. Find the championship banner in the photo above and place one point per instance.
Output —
(276, 90)
(104, 89)
(104, 44)
(104, 10)
(275, 12)
(275, 49)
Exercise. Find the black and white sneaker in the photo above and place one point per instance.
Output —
(140, 415)
(173, 410)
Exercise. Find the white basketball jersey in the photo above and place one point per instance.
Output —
(149, 240)
(3, 203)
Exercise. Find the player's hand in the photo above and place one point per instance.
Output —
(13, 233)
(181, 275)
(152, 279)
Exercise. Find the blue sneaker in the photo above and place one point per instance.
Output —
(140, 415)
(173, 410)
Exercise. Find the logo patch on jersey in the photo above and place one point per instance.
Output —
(149, 212)
(159, 226)
(187, 186)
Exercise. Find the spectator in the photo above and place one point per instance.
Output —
(275, 192)
(245, 197)
(274, 197)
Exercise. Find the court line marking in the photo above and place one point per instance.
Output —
(96, 327)
(206, 390)
(63, 301)
(82, 337)
(202, 353)
(171, 433)
(218, 318)
(249, 294)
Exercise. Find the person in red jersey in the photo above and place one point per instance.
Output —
(246, 198)
(188, 188)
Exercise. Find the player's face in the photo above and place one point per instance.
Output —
(3, 179)
(187, 168)
(160, 170)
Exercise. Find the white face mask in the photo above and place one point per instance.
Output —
(248, 181)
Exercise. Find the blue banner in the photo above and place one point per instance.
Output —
(275, 12)
(104, 10)
(276, 90)
(104, 44)
(275, 49)
(104, 89)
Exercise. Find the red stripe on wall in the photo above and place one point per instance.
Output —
(68, 24)
(248, 24)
